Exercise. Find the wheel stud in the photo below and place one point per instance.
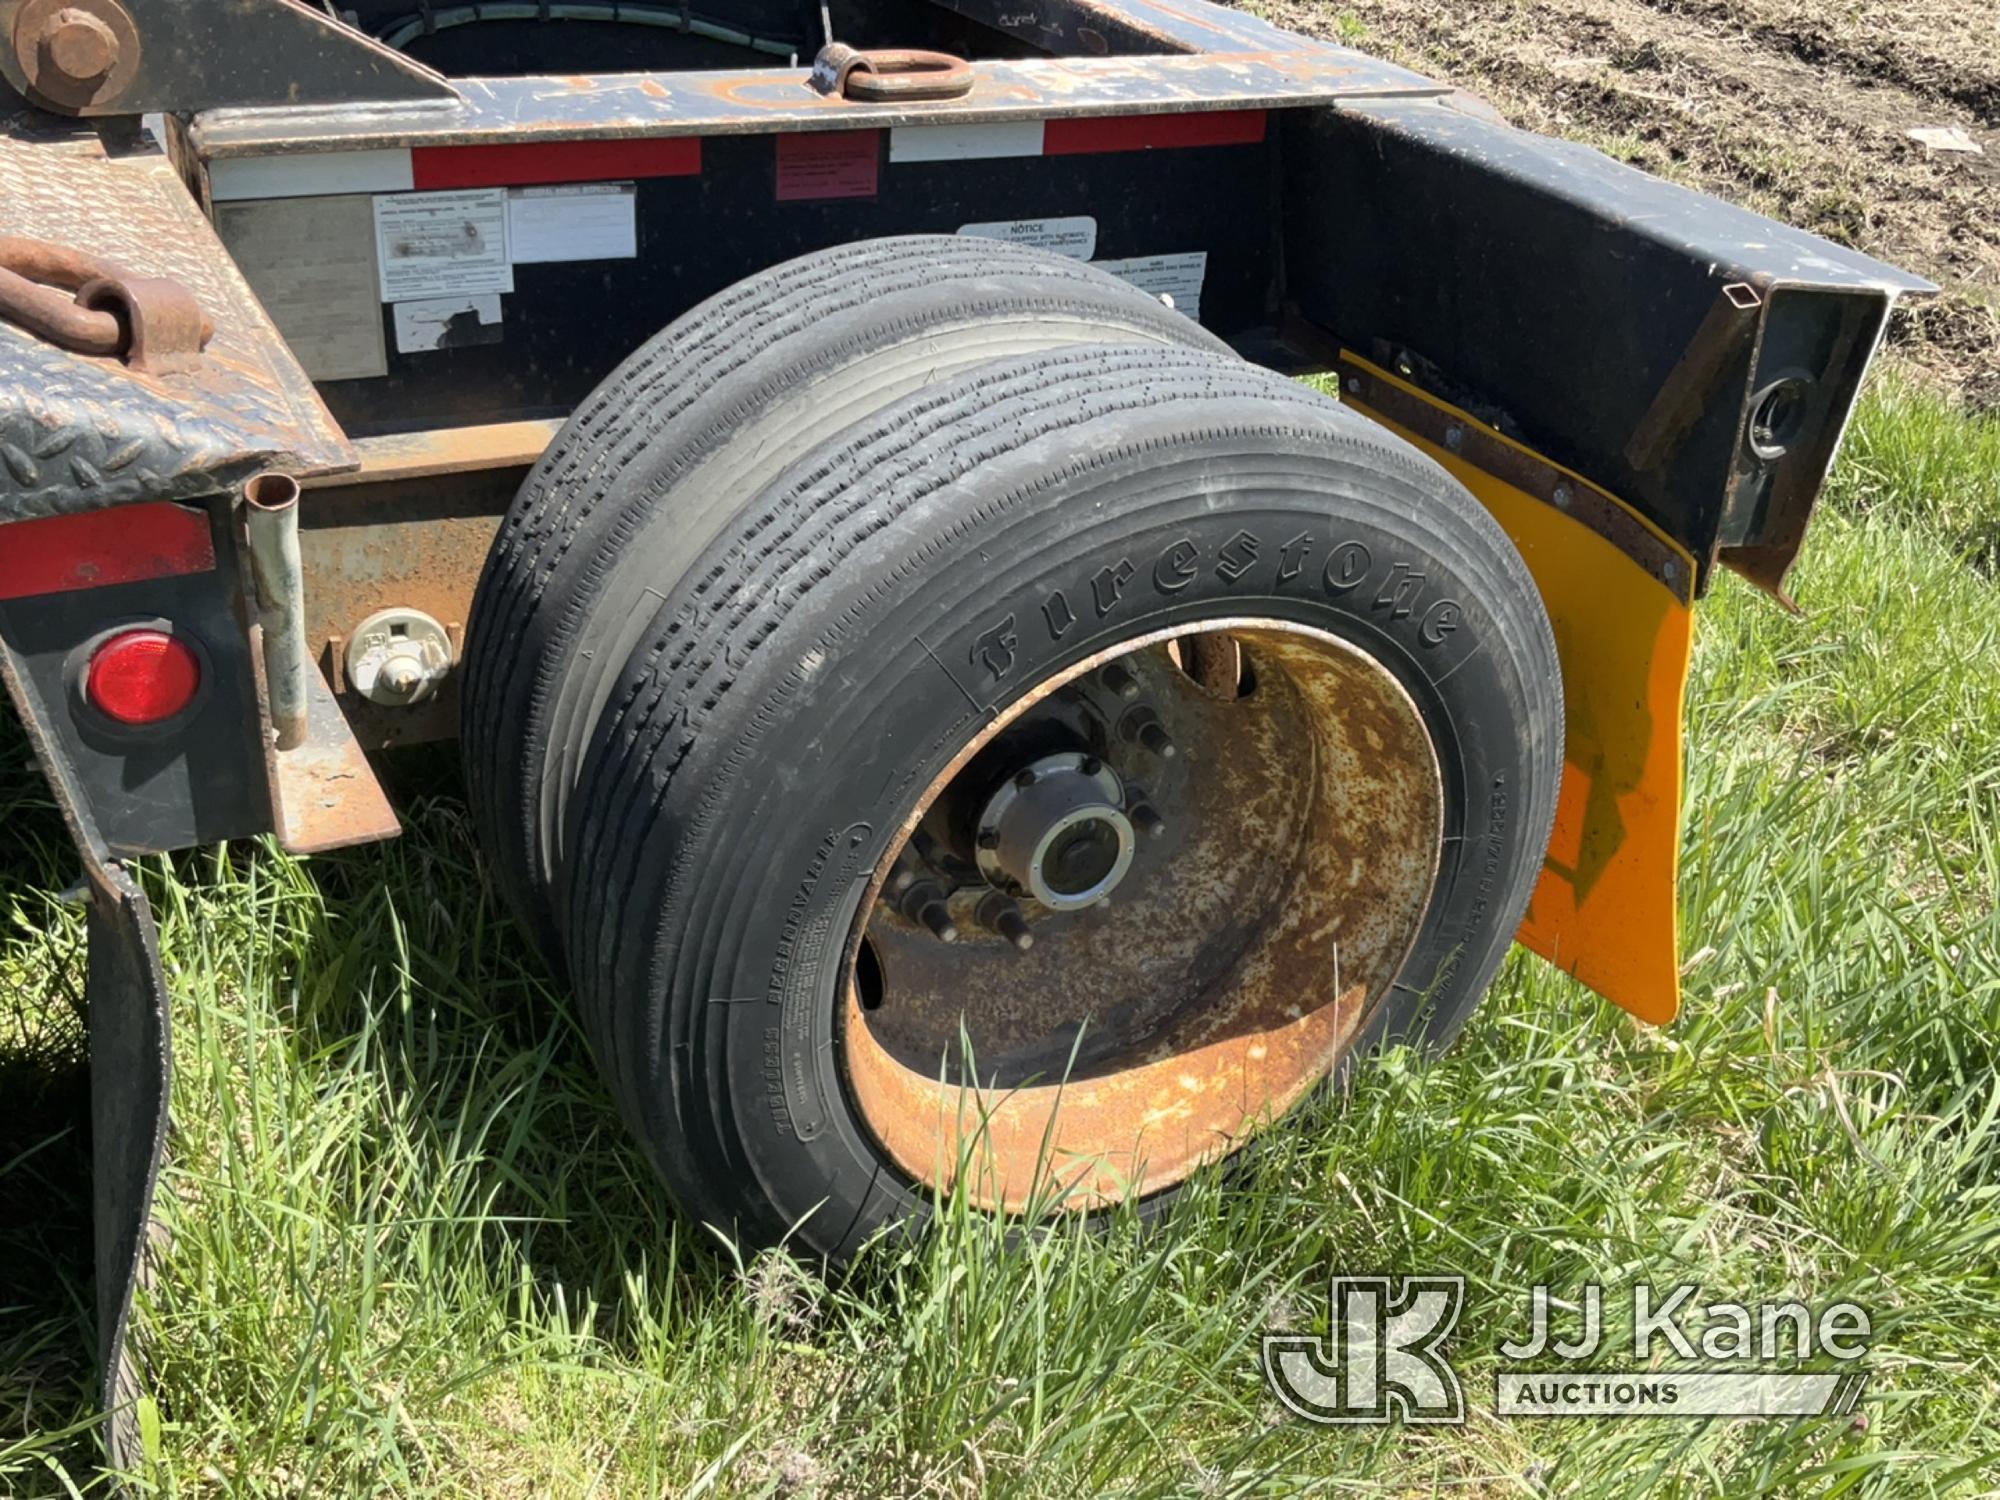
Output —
(1143, 727)
(1146, 819)
(1120, 680)
(1004, 917)
(924, 902)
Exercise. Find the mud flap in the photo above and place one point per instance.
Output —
(1619, 593)
(125, 994)
(130, 1075)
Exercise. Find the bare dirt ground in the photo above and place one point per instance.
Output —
(1798, 108)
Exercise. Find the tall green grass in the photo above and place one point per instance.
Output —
(413, 1253)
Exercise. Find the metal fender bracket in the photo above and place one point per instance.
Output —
(81, 427)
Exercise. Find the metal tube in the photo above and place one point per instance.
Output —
(271, 526)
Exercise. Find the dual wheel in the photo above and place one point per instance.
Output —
(958, 725)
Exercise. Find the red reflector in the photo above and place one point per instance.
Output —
(119, 544)
(525, 163)
(1224, 127)
(142, 677)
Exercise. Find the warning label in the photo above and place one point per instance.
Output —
(836, 164)
(1174, 279)
(1075, 236)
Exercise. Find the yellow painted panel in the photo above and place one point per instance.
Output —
(1605, 909)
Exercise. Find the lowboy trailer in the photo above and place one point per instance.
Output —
(952, 707)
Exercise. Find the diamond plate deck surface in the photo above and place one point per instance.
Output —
(78, 433)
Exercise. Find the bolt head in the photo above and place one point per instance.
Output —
(401, 675)
(989, 838)
(79, 45)
(1562, 497)
(1024, 778)
(1454, 438)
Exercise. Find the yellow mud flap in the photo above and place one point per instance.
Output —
(1620, 596)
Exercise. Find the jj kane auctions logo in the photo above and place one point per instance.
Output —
(1384, 1357)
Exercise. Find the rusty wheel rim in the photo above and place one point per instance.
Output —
(1257, 865)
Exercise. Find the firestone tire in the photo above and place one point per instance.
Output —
(853, 623)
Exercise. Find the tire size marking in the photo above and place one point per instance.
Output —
(1401, 592)
(791, 1085)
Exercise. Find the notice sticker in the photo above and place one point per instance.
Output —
(1176, 276)
(837, 164)
(443, 244)
(576, 221)
(448, 322)
(1075, 237)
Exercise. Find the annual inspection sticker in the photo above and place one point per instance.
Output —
(443, 244)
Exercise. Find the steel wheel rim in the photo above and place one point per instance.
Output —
(1221, 977)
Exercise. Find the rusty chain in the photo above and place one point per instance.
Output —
(153, 323)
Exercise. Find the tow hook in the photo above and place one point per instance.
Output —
(889, 75)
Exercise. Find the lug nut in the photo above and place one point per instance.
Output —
(924, 902)
(1146, 820)
(1143, 726)
(1120, 680)
(1004, 918)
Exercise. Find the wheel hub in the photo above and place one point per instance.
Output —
(1141, 913)
(1056, 831)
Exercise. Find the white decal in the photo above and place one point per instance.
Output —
(577, 221)
(448, 322)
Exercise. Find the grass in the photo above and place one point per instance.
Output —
(413, 1253)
